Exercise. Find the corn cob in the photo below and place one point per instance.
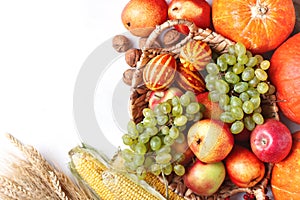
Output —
(107, 183)
(158, 185)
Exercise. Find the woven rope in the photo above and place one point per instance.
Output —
(140, 96)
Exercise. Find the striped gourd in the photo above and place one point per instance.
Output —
(195, 55)
(159, 72)
(107, 183)
(190, 80)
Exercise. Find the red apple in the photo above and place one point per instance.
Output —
(212, 109)
(210, 140)
(204, 179)
(197, 11)
(243, 167)
(157, 97)
(272, 141)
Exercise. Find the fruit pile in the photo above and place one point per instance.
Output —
(209, 116)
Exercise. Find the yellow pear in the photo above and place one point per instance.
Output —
(141, 16)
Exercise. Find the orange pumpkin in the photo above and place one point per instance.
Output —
(284, 74)
(285, 179)
(262, 25)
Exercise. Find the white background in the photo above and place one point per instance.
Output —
(43, 45)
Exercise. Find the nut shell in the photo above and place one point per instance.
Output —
(159, 72)
(121, 43)
(132, 56)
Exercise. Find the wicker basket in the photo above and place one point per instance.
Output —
(140, 96)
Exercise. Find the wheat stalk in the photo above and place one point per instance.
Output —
(32, 177)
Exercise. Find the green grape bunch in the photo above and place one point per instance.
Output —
(236, 80)
(150, 141)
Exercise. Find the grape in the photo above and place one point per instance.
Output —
(248, 107)
(127, 154)
(257, 110)
(175, 101)
(151, 130)
(230, 59)
(193, 108)
(157, 110)
(255, 100)
(222, 86)
(258, 118)
(179, 170)
(231, 49)
(249, 54)
(231, 77)
(180, 120)
(168, 140)
(227, 117)
(140, 148)
(177, 110)
(192, 96)
(163, 158)
(139, 159)
(248, 74)
(252, 92)
(212, 68)
(164, 149)
(174, 132)
(165, 130)
(214, 96)
(147, 112)
(237, 127)
(262, 87)
(140, 127)
(261, 74)
(149, 121)
(211, 78)
(185, 100)
(242, 59)
(265, 64)
(244, 96)
(253, 82)
(165, 107)
(237, 112)
(167, 169)
(259, 58)
(141, 172)
(236, 101)
(127, 140)
(144, 138)
(224, 100)
(249, 123)
(198, 116)
(155, 143)
(221, 62)
(252, 61)
(155, 169)
(240, 48)
(210, 86)
(238, 68)
(240, 87)
(162, 119)
(149, 160)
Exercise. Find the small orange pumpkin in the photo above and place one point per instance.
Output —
(260, 25)
(159, 72)
(195, 55)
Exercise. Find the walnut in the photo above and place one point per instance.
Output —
(121, 43)
(171, 37)
(143, 41)
(127, 76)
(132, 56)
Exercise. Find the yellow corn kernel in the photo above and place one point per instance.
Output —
(154, 182)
